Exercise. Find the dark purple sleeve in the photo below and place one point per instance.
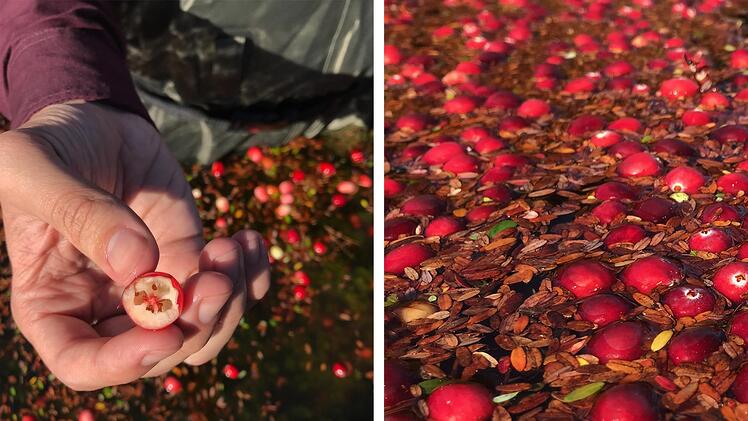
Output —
(61, 50)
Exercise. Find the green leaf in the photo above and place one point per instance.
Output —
(583, 392)
(647, 139)
(428, 386)
(390, 300)
(679, 197)
(501, 226)
(505, 397)
(432, 298)
(474, 236)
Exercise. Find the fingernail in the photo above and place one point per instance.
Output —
(153, 358)
(208, 310)
(124, 251)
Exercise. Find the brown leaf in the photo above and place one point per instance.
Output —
(518, 357)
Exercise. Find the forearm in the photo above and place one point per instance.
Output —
(57, 51)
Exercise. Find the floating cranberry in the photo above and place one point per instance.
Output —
(512, 124)
(719, 212)
(688, 300)
(608, 211)
(603, 309)
(172, 385)
(444, 226)
(585, 124)
(339, 200)
(502, 100)
(474, 134)
(412, 122)
(617, 69)
(685, 179)
(407, 255)
(614, 190)
(392, 55)
(498, 194)
(217, 169)
(255, 154)
(733, 183)
(739, 59)
(696, 118)
(392, 187)
(319, 247)
(299, 292)
(742, 251)
(395, 227)
(340, 370)
(442, 153)
(618, 341)
(626, 402)
(712, 240)
(460, 402)
(739, 325)
(626, 124)
(230, 371)
(460, 105)
(649, 273)
(533, 108)
(423, 205)
(480, 213)
(678, 89)
(605, 138)
(731, 281)
(460, 164)
(694, 345)
(397, 382)
(327, 169)
(625, 149)
(641, 164)
(673, 147)
(489, 144)
(510, 160)
(627, 233)
(732, 133)
(714, 101)
(579, 85)
(585, 278)
(655, 209)
(497, 175)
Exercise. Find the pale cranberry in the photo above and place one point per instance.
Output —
(614, 190)
(395, 227)
(533, 108)
(608, 211)
(648, 273)
(739, 325)
(626, 233)
(625, 149)
(627, 402)
(694, 345)
(442, 153)
(688, 300)
(585, 278)
(460, 402)
(407, 255)
(641, 164)
(443, 226)
(712, 240)
(731, 281)
(585, 124)
(673, 147)
(719, 212)
(603, 309)
(685, 179)
(679, 88)
(397, 382)
(424, 205)
(618, 341)
(696, 118)
(733, 183)
(655, 209)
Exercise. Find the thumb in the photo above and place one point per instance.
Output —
(98, 224)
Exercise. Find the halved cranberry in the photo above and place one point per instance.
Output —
(395, 227)
(673, 147)
(626, 233)
(679, 88)
(733, 183)
(688, 300)
(618, 341)
(461, 164)
(655, 209)
(649, 273)
(731, 281)
(533, 108)
(696, 118)
(443, 226)
(397, 383)
(480, 213)
(719, 212)
(407, 255)
(442, 153)
(712, 240)
(460, 402)
(608, 211)
(640, 164)
(627, 402)
(603, 309)
(694, 345)
(614, 190)
(585, 278)
(685, 179)
(423, 205)
(625, 149)
(585, 124)
(739, 325)
(730, 134)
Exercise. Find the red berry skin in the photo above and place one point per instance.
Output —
(626, 124)
(693, 345)
(444, 226)
(626, 233)
(641, 164)
(255, 154)
(740, 385)
(603, 309)
(711, 240)
(719, 212)
(739, 325)
(326, 169)
(217, 169)
(695, 118)
(608, 211)
(392, 187)
(413, 151)
(339, 200)
(461, 164)
(443, 152)
(412, 122)
(655, 209)
(460, 402)
(731, 281)
(230, 371)
(648, 273)
(688, 300)
(739, 59)
(605, 138)
(685, 179)
(733, 183)
(392, 55)
(423, 205)
(673, 147)
(395, 227)
(626, 402)
(614, 190)
(319, 247)
(407, 255)
(618, 341)
(302, 278)
(86, 415)
(339, 370)
(502, 101)
(678, 89)
(499, 194)
(460, 105)
(732, 133)
(299, 292)
(585, 278)
(510, 160)
(357, 156)
(497, 175)
(585, 124)
(714, 101)
(298, 176)
(397, 382)
(488, 145)
(172, 385)
(480, 213)
(625, 149)
(533, 108)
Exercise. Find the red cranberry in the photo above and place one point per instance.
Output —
(605, 138)
(413, 151)
(512, 124)
(397, 383)
(480, 213)
(474, 134)
(489, 144)
(585, 124)
(608, 211)
(712, 240)
(461, 164)
(626, 402)
(740, 385)
(694, 345)
(327, 169)
(510, 160)
(424, 205)
(742, 251)
(673, 147)
(731, 281)
(685, 179)
(688, 300)
(460, 105)
(719, 212)
(172, 385)
(626, 124)
(412, 122)
(392, 55)
(733, 183)
(655, 209)
(614, 190)
(625, 149)
(498, 194)
(650, 272)
(640, 164)
(392, 187)
(579, 85)
(442, 153)
(444, 226)
(742, 95)
(627, 233)
(696, 118)
(395, 227)
(742, 166)
(620, 84)
(617, 69)
(730, 134)
(739, 324)
(679, 88)
(603, 309)
(502, 100)
(585, 278)
(497, 175)
(739, 59)
(533, 108)
(407, 255)
(618, 341)
(460, 402)
(714, 101)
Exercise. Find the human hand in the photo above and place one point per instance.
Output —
(91, 198)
